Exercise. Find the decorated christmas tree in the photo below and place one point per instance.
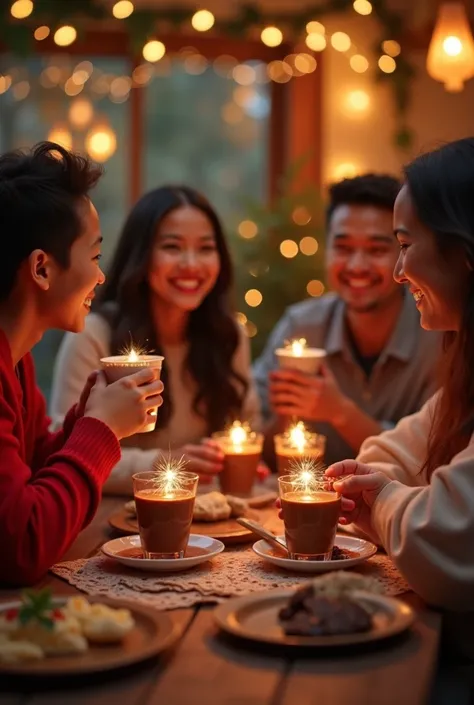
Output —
(279, 255)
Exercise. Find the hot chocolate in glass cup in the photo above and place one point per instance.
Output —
(242, 450)
(164, 504)
(295, 444)
(310, 515)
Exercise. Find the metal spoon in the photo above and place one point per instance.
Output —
(263, 533)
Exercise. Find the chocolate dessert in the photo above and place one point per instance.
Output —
(310, 614)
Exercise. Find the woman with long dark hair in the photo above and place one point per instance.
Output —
(168, 290)
(412, 489)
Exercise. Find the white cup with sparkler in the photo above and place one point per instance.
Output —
(242, 450)
(296, 355)
(164, 500)
(310, 511)
(295, 444)
(133, 360)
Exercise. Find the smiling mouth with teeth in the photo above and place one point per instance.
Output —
(88, 302)
(417, 295)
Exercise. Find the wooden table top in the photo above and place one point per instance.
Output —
(206, 667)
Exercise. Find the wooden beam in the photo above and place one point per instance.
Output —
(304, 125)
(96, 42)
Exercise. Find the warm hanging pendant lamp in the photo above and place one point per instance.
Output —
(451, 51)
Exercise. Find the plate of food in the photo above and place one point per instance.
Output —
(128, 551)
(348, 551)
(214, 515)
(336, 609)
(44, 636)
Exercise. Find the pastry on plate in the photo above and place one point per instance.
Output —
(212, 506)
(106, 625)
(18, 651)
(130, 507)
(100, 624)
(238, 506)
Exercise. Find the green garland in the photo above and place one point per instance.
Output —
(17, 34)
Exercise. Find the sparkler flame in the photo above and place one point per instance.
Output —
(297, 435)
(133, 352)
(307, 475)
(169, 480)
(238, 433)
(297, 346)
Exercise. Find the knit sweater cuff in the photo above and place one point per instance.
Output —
(95, 445)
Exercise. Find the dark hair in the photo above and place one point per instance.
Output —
(212, 330)
(441, 185)
(379, 190)
(39, 193)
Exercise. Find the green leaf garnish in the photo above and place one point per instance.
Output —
(36, 606)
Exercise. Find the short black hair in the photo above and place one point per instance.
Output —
(40, 189)
(379, 190)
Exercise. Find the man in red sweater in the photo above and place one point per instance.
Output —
(50, 484)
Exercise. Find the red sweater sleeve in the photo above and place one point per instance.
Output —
(42, 510)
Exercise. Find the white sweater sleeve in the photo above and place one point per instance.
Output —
(400, 452)
(428, 532)
(78, 356)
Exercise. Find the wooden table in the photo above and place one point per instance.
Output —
(206, 667)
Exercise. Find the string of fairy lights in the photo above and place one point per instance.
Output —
(84, 83)
(203, 21)
(101, 141)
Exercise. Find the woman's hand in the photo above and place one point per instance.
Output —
(206, 459)
(359, 486)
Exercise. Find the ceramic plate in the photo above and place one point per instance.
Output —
(358, 550)
(255, 617)
(127, 550)
(227, 531)
(153, 632)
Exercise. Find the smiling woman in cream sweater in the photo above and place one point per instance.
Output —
(169, 291)
(412, 488)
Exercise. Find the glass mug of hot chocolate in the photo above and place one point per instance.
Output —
(242, 453)
(164, 512)
(310, 516)
(288, 450)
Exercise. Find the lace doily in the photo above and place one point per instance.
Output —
(234, 572)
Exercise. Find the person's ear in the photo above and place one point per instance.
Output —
(41, 268)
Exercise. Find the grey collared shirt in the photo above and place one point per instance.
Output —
(402, 378)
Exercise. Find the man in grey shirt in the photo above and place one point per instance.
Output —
(380, 363)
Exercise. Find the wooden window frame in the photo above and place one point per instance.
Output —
(296, 106)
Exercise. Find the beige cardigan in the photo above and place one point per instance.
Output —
(427, 529)
(80, 354)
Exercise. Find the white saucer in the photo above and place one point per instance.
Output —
(364, 550)
(208, 546)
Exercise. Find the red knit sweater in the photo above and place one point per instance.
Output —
(50, 483)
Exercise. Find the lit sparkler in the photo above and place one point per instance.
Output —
(298, 436)
(307, 475)
(238, 433)
(297, 346)
(133, 352)
(169, 478)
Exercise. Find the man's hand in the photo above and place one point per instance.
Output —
(316, 398)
